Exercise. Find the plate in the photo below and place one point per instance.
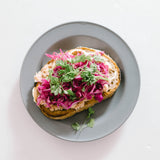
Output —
(109, 114)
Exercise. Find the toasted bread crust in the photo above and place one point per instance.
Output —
(63, 114)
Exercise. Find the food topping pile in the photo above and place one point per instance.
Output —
(75, 76)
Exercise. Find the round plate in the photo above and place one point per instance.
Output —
(109, 114)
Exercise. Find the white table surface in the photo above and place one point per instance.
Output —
(23, 21)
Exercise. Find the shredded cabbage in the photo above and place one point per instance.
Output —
(79, 89)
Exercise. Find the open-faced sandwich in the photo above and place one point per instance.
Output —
(73, 81)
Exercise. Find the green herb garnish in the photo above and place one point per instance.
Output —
(61, 63)
(76, 126)
(90, 112)
(71, 93)
(88, 74)
(88, 77)
(69, 76)
(92, 68)
(56, 89)
(54, 84)
(54, 80)
(50, 74)
(89, 122)
(81, 58)
(83, 89)
(66, 67)
(98, 58)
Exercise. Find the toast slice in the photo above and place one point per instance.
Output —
(59, 112)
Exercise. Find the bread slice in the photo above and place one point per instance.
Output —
(59, 113)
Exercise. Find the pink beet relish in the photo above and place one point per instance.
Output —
(87, 80)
